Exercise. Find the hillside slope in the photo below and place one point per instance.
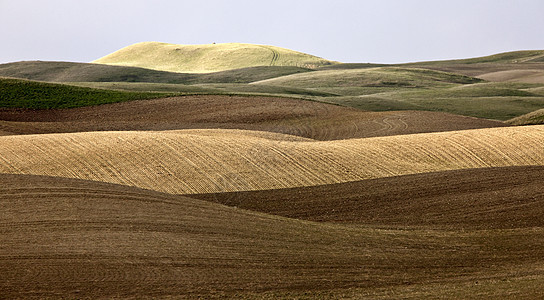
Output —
(371, 77)
(84, 72)
(523, 56)
(207, 161)
(532, 118)
(208, 58)
(507, 198)
(81, 239)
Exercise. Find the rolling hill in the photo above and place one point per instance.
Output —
(117, 181)
(84, 72)
(515, 66)
(73, 238)
(208, 58)
(371, 77)
(207, 161)
(532, 118)
(470, 199)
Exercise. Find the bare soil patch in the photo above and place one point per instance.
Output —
(65, 238)
(509, 197)
(290, 116)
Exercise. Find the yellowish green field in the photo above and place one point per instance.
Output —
(208, 58)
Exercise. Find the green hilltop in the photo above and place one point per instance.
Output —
(209, 57)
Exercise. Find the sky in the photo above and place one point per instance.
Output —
(378, 31)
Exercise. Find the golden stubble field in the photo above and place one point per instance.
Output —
(205, 161)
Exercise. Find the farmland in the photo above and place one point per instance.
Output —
(257, 172)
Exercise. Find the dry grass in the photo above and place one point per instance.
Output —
(532, 118)
(208, 58)
(205, 161)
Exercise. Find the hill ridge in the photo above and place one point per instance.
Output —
(208, 57)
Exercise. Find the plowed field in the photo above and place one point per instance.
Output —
(66, 238)
(206, 161)
(508, 197)
(302, 118)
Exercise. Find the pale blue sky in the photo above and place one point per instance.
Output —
(384, 31)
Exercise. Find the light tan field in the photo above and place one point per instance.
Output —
(205, 161)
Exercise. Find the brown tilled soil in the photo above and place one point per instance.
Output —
(66, 238)
(509, 197)
(297, 117)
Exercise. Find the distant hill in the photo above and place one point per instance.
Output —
(208, 58)
(54, 71)
(371, 77)
(525, 56)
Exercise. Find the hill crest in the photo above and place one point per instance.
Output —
(208, 57)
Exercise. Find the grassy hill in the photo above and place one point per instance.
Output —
(505, 57)
(499, 87)
(532, 118)
(17, 93)
(371, 77)
(208, 58)
(83, 72)
(205, 161)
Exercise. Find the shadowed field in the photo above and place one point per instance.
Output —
(302, 118)
(81, 239)
(508, 197)
(54, 71)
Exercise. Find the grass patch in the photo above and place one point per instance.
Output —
(16, 93)
(376, 77)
